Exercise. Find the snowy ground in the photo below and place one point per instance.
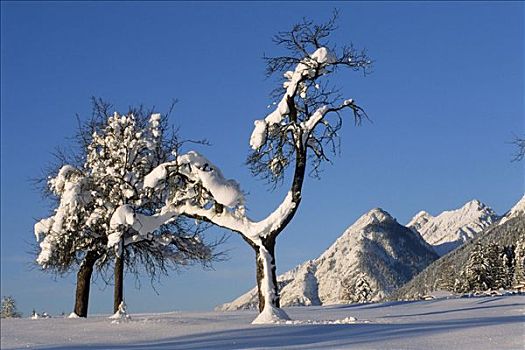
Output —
(469, 323)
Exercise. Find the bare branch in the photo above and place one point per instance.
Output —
(520, 149)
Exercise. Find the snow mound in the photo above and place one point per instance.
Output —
(346, 320)
(121, 314)
(271, 314)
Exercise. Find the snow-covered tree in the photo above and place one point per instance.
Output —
(519, 263)
(477, 269)
(519, 142)
(115, 153)
(508, 261)
(8, 308)
(496, 266)
(356, 290)
(486, 268)
(301, 130)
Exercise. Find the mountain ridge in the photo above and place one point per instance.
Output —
(451, 228)
(376, 255)
(371, 253)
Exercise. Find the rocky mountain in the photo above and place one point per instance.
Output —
(368, 261)
(515, 211)
(450, 229)
(449, 272)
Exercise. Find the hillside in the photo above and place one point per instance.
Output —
(450, 229)
(443, 273)
(367, 262)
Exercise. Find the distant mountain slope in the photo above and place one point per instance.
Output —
(450, 229)
(371, 258)
(516, 210)
(441, 274)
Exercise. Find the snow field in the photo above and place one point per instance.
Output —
(462, 323)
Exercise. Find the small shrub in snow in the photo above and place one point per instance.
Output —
(8, 308)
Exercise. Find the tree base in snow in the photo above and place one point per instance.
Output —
(121, 314)
(271, 314)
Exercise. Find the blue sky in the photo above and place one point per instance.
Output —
(446, 97)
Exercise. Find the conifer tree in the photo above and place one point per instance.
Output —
(519, 263)
(8, 308)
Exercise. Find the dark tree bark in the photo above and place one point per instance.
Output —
(118, 295)
(269, 244)
(83, 283)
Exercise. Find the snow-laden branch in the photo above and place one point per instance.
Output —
(192, 186)
(306, 114)
(143, 226)
(308, 68)
(70, 185)
(196, 168)
(239, 222)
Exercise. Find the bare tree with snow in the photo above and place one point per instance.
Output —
(301, 130)
(115, 153)
(520, 149)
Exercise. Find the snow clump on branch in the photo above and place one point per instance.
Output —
(308, 68)
(69, 185)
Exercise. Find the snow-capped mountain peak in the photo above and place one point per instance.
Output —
(374, 216)
(371, 258)
(517, 210)
(419, 220)
(452, 228)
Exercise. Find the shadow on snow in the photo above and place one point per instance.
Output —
(306, 336)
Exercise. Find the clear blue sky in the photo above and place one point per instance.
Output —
(446, 98)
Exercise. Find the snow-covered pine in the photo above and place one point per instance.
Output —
(450, 272)
(356, 291)
(8, 308)
(488, 268)
(508, 261)
(518, 279)
(477, 271)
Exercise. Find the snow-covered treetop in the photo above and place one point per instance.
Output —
(118, 155)
(107, 192)
(193, 186)
(309, 68)
(55, 233)
(299, 119)
(122, 154)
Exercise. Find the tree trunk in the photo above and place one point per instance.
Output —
(268, 290)
(119, 282)
(83, 284)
